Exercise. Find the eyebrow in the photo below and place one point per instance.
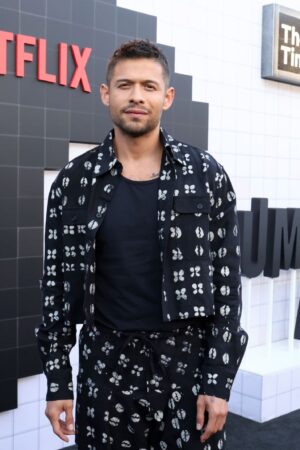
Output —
(127, 80)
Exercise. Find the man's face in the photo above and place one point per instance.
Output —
(137, 95)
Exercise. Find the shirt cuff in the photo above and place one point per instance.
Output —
(216, 383)
(60, 388)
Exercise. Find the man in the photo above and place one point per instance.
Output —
(142, 246)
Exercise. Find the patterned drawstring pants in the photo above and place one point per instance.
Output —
(138, 390)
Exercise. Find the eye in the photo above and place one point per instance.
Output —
(123, 85)
(150, 87)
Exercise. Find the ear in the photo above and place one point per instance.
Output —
(169, 98)
(104, 94)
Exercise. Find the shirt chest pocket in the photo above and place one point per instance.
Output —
(190, 227)
(184, 204)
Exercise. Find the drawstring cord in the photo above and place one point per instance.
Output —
(154, 358)
(153, 354)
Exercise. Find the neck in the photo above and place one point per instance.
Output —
(137, 149)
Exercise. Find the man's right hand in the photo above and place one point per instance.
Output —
(61, 427)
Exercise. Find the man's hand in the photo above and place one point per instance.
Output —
(60, 427)
(217, 409)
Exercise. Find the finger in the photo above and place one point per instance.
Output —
(200, 412)
(210, 427)
(221, 416)
(222, 421)
(57, 430)
(219, 424)
(64, 428)
(69, 419)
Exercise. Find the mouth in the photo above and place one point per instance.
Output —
(135, 112)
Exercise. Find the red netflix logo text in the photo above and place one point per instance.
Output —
(80, 59)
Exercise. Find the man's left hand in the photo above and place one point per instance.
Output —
(217, 409)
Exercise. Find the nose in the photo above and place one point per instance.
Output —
(136, 94)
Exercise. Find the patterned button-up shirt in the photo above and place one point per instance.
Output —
(199, 249)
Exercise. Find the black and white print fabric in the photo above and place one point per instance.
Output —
(199, 249)
(138, 390)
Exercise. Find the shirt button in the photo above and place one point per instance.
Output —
(199, 205)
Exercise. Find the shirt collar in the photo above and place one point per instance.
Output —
(107, 159)
(173, 147)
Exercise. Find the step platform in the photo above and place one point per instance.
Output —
(267, 384)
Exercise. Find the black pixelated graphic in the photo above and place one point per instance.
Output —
(38, 120)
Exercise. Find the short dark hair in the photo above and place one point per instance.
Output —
(135, 49)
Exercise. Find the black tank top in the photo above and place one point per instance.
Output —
(128, 266)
